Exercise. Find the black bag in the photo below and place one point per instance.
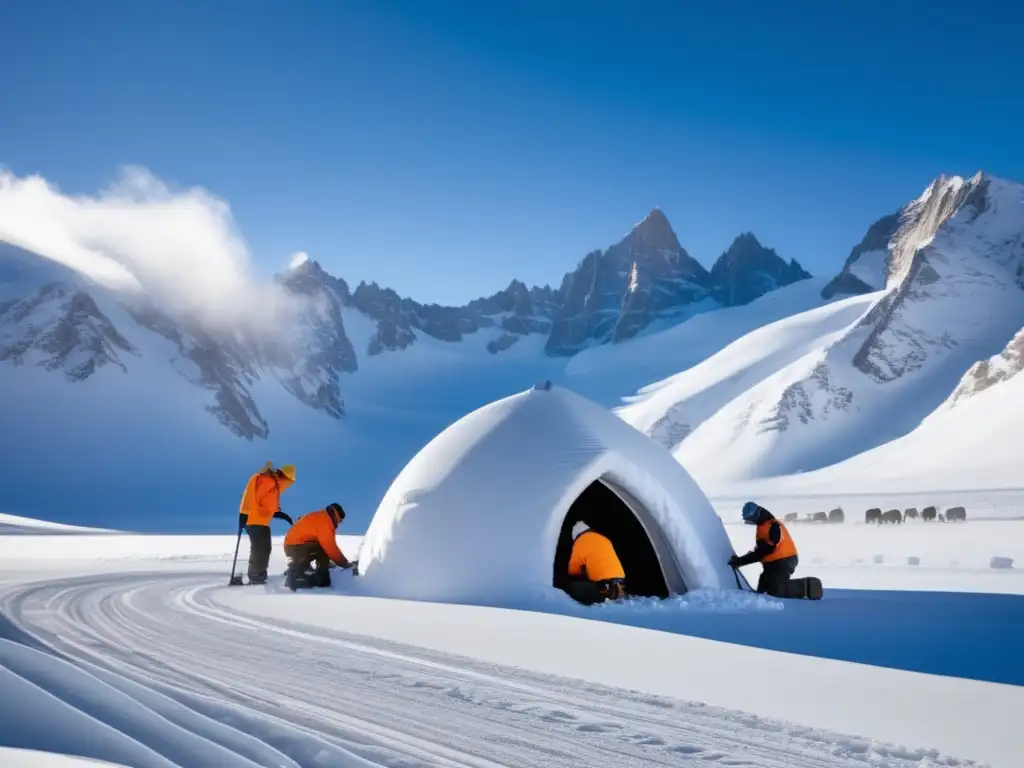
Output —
(808, 587)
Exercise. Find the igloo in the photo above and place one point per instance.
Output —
(484, 512)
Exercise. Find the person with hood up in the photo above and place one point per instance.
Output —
(312, 540)
(773, 548)
(261, 502)
(595, 572)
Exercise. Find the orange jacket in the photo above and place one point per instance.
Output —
(262, 496)
(593, 557)
(316, 527)
(785, 547)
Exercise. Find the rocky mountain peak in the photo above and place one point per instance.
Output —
(886, 255)
(615, 294)
(653, 233)
(748, 270)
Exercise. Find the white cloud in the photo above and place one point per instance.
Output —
(298, 259)
(181, 246)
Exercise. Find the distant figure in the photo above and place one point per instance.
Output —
(595, 573)
(261, 502)
(910, 514)
(873, 515)
(836, 515)
(820, 517)
(928, 514)
(774, 549)
(312, 540)
(956, 513)
(892, 516)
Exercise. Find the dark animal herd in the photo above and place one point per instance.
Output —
(877, 516)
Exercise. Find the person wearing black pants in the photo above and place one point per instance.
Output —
(773, 548)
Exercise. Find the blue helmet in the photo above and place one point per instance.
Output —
(751, 511)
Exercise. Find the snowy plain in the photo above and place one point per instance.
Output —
(147, 658)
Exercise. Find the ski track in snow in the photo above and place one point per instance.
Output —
(179, 680)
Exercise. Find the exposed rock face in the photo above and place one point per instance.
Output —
(865, 268)
(213, 364)
(987, 373)
(748, 270)
(310, 367)
(951, 280)
(958, 246)
(615, 294)
(60, 328)
(517, 310)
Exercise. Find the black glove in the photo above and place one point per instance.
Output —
(281, 515)
(242, 520)
(734, 561)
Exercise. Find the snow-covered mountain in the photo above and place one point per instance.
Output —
(51, 317)
(933, 319)
(346, 383)
(760, 370)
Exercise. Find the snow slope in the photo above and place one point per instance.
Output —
(608, 373)
(12, 524)
(975, 445)
(669, 410)
(953, 297)
(148, 668)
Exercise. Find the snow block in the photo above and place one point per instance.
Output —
(1001, 562)
(476, 516)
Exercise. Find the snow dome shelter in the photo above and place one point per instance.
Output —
(484, 512)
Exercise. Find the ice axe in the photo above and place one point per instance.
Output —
(236, 581)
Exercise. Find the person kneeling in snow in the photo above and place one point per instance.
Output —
(774, 549)
(595, 573)
(310, 540)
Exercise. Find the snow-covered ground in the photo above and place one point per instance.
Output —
(143, 655)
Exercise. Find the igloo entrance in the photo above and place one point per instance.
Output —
(651, 570)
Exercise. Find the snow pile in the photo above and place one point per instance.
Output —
(500, 482)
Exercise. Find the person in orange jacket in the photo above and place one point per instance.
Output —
(261, 502)
(595, 572)
(773, 548)
(311, 540)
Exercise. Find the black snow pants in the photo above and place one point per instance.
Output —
(301, 556)
(776, 576)
(259, 552)
(590, 592)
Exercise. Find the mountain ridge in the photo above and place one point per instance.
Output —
(310, 353)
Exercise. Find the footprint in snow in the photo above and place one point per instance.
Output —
(557, 716)
(598, 727)
(648, 741)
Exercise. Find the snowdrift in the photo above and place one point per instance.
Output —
(507, 482)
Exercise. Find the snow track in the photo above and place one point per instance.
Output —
(148, 670)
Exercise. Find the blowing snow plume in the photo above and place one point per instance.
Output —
(180, 247)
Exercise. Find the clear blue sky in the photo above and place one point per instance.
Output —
(445, 147)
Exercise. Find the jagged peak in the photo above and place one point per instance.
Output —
(744, 248)
(654, 231)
